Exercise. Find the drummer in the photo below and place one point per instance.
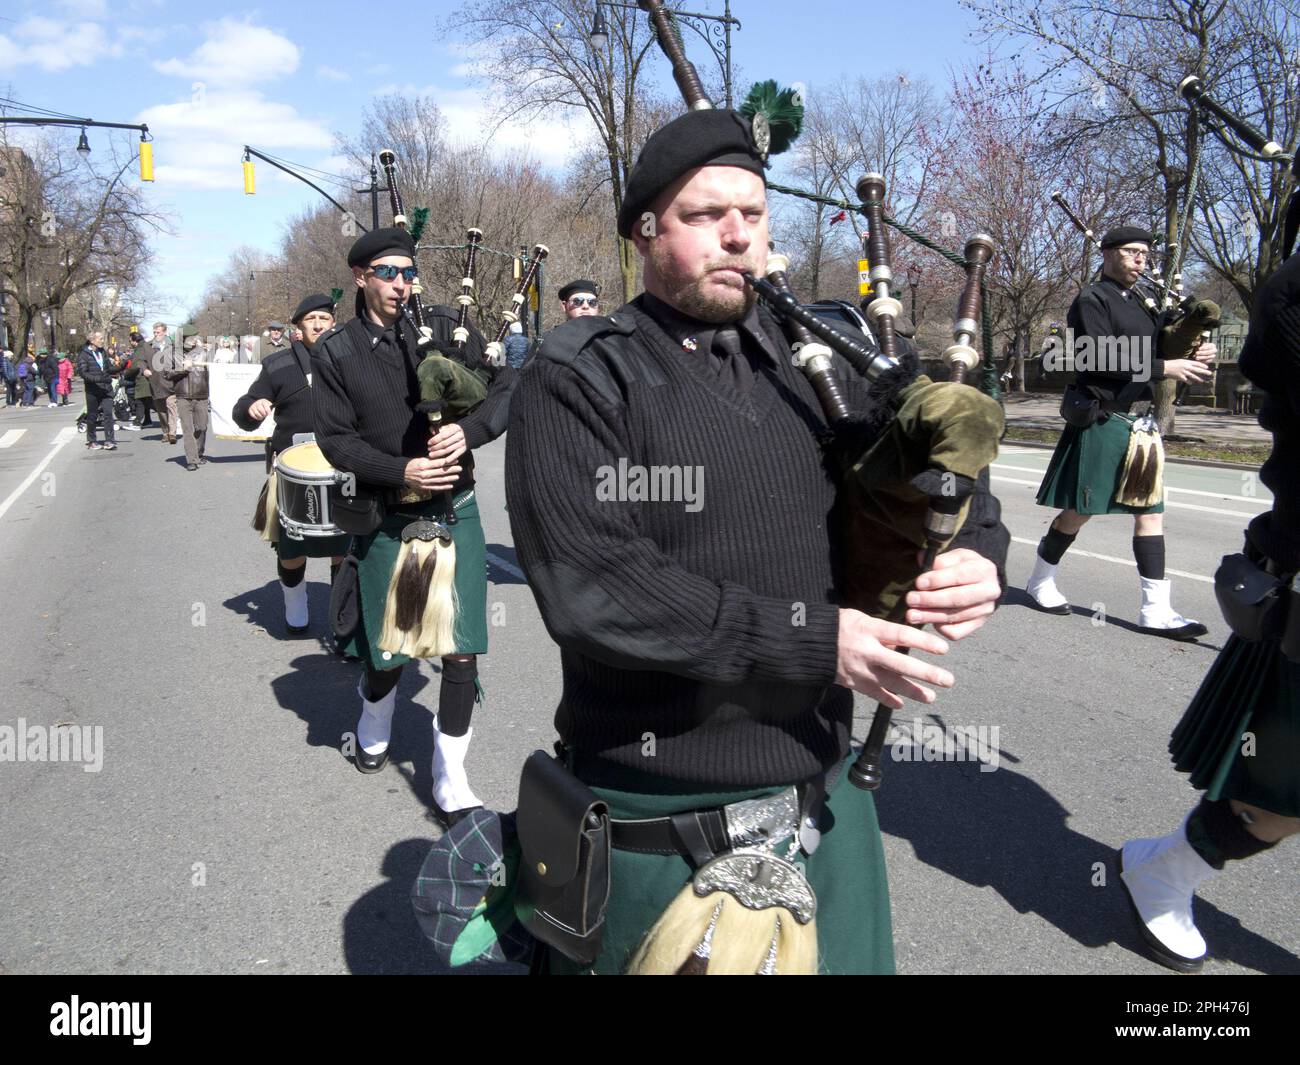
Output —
(284, 387)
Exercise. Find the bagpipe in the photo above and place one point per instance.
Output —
(905, 482)
(496, 350)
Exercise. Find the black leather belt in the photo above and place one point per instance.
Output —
(695, 834)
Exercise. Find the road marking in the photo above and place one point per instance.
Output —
(12, 437)
(68, 432)
(1227, 497)
(59, 441)
(1168, 503)
(509, 567)
(1119, 561)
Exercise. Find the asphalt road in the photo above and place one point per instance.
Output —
(225, 831)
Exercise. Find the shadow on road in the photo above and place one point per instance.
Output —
(1004, 831)
(1019, 597)
(380, 933)
(497, 574)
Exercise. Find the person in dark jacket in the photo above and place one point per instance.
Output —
(50, 375)
(11, 379)
(283, 388)
(142, 397)
(27, 380)
(189, 382)
(97, 368)
(708, 664)
(365, 400)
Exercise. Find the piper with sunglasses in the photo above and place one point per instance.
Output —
(579, 298)
(369, 423)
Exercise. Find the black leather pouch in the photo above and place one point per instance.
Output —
(345, 599)
(1079, 407)
(359, 513)
(1253, 601)
(564, 837)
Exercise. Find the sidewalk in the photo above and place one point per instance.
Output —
(1030, 410)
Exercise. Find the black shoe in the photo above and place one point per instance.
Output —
(1193, 630)
(202, 461)
(452, 819)
(297, 630)
(191, 467)
(371, 763)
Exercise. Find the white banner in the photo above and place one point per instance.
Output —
(226, 383)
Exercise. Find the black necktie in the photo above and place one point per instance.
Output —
(734, 369)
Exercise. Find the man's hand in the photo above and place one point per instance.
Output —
(957, 596)
(430, 476)
(147, 372)
(1188, 370)
(260, 409)
(1206, 353)
(867, 664)
(448, 444)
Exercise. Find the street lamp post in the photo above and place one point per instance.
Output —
(83, 145)
(712, 29)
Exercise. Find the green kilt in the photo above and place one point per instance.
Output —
(847, 873)
(1084, 473)
(377, 555)
(1251, 688)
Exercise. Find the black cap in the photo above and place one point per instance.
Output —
(275, 327)
(574, 287)
(1122, 235)
(314, 302)
(712, 137)
(381, 242)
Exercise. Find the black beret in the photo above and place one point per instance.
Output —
(710, 137)
(574, 287)
(1122, 235)
(381, 242)
(315, 302)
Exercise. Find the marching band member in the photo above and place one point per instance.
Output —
(1239, 740)
(705, 660)
(367, 424)
(1088, 467)
(579, 298)
(284, 387)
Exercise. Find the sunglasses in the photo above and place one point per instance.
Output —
(583, 301)
(387, 272)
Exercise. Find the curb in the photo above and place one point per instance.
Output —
(1173, 460)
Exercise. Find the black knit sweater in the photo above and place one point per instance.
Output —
(364, 395)
(698, 640)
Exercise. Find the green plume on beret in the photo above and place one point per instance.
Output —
(419, 218)
(783, 113)
(336, 294)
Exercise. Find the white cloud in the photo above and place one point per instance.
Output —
(332, 74)
(236, 53)
(551, 141)
(54, 45)
(200, 142)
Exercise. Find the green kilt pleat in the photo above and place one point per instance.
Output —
(1240, 736)
(376, 556)
(1084, 472)
(847, 873)
(310, 546)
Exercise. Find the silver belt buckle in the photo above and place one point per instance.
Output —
(763, 822)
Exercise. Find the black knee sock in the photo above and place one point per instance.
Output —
(379, 682)
(456, 696)
(1149, 552)
(1218, 835)
(1052, 547)
(290, 578)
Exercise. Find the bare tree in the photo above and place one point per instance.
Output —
(71, 229)
(538, 57)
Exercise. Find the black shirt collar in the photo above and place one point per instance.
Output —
(683, 328)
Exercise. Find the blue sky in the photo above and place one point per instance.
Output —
(208, 78)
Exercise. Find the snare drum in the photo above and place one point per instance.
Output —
(308, 485)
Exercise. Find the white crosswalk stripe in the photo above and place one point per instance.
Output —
(11, 437)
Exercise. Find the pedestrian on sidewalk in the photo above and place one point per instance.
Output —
(11, 378)
(27, 380)
(1100, 455)
(66, 370)
(50, 375)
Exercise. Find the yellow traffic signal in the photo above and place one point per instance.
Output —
(146, 160)
(248, 177)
